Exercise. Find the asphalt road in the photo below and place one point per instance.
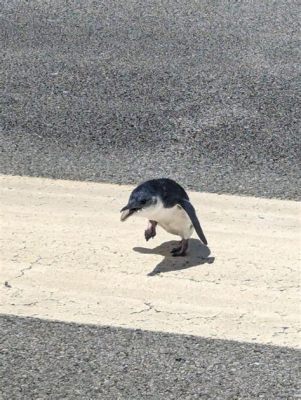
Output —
(54, 360)
(204, 92)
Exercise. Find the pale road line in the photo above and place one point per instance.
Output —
(66, 256)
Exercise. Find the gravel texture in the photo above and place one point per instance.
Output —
(204, 92)
(52, 360)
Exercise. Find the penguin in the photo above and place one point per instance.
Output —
(165, 203)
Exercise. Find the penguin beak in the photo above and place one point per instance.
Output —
(127, 211)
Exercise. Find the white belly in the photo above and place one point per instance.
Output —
(174, 220)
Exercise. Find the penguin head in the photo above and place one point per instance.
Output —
(140, 200)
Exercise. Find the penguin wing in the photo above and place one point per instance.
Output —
(188, 207)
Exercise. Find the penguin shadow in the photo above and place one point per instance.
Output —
(197, 254)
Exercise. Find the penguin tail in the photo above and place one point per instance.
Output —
(188, 207)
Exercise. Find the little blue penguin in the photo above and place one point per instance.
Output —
(165, 203)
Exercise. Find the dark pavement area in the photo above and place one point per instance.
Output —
(56, 360)
(203, 92)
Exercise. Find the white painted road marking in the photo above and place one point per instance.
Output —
(66, 255)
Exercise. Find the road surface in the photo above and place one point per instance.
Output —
(203, 92)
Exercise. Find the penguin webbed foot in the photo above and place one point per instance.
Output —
(176, 249)
(181, 250)
(150, 232)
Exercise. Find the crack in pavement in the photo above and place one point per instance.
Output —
(208, 318)
(34, 303)
(151, 307)
(22, 272)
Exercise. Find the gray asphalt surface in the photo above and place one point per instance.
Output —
(51, 360)
(204, 92)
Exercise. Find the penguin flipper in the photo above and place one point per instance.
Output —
(188, 207)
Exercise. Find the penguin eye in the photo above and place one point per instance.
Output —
(143, 201)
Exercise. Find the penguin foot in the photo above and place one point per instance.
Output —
(150, 232)
(181, 250)
(176, 249)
